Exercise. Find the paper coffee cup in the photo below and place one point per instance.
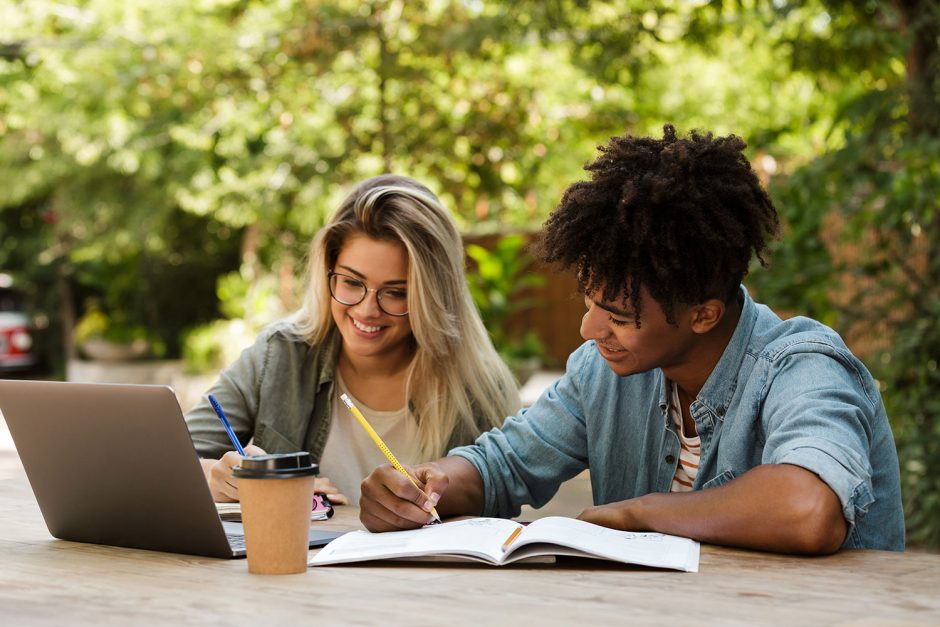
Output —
(275, 493)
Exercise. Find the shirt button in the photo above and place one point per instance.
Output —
(721, 410)
(670, 459)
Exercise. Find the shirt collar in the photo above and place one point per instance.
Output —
(331, 346)
(720, 386)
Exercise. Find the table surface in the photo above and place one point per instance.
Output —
(49, 581)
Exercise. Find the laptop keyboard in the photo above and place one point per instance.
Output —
(236, 541)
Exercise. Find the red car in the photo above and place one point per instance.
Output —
(17, 353)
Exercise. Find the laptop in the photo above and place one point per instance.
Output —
(114, 464)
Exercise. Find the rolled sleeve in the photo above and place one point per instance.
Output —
(818, 417)
(526, 460)
(839, 467)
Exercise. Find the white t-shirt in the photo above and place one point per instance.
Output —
(350, 454)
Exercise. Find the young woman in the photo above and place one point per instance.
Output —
(387, 319)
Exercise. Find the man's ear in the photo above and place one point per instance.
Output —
(707, 315)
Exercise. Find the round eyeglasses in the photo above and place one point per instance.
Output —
(349, 290)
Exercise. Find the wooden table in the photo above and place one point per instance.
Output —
(44, 581)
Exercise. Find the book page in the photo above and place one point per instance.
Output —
(480, 538)
(645, 549)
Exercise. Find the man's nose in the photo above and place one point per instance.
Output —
(592, 324)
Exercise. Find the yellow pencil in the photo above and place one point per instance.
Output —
(378, 442)
(512, 536)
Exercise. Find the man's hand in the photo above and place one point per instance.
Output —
(389, 502)
(613, 515)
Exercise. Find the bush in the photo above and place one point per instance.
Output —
(500, 286)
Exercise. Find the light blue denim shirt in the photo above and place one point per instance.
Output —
(783, 392)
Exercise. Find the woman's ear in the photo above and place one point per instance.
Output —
(707, 315)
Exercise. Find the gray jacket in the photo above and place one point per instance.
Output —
(277, 393)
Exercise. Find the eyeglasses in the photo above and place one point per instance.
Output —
(349, 290)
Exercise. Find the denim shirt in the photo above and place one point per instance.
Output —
(783, 392)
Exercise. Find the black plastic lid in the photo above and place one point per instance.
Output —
(277, 466)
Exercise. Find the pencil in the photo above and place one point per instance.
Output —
(511, 537)
(378, 442)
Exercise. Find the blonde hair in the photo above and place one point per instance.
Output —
(456, 384)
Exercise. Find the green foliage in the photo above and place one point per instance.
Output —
(501, 286)
(95, 324)
(212, 346)
(911, 380)
(864, 223)
(250, 302)
(122, 121)
(161, 159)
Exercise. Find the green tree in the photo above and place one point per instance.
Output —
(153, 134)
(840, 99)
(865, 222)
(501, 283)
(155, 156)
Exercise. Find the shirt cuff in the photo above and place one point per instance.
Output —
(845, 472)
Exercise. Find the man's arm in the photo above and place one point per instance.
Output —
(773, 507)
(523, 462)
(389, 502)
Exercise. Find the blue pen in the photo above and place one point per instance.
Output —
(228, 427)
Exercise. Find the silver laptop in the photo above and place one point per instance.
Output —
(114, 464)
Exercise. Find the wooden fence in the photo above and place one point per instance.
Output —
(556, 316)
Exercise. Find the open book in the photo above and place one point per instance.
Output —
(488, 540)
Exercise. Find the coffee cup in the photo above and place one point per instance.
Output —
(275, 493)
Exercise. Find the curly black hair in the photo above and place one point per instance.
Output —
(678, 216)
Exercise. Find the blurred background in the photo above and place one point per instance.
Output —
(163, 166)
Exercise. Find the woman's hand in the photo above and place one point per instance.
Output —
(222, 484)
(324, 485)
(390, 502)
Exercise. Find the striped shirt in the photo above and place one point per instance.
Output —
(690, 448)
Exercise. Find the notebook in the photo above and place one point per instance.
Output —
(114, 464)
(496, 541)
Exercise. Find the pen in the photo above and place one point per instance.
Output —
(378, 442)
(228, 427)
(512, 536)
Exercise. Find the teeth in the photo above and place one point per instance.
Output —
(363, 327)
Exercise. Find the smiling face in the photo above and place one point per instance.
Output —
(631, 350)
(367, 331)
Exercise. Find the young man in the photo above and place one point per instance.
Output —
(698, 411)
